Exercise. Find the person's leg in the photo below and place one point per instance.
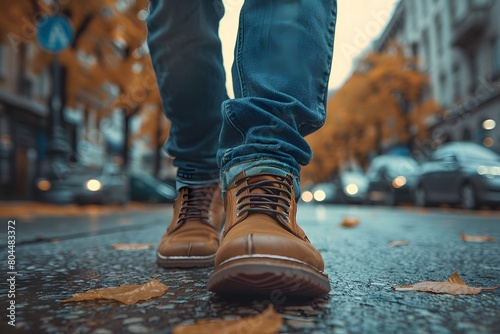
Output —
(187, 59)
(282, 65)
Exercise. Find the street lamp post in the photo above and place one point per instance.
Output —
(55, 34)
(57, 147)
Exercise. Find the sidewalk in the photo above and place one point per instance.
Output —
(31, 210)
(75, 254)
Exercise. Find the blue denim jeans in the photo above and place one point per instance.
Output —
(280, 74)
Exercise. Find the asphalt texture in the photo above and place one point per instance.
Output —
(57, 257)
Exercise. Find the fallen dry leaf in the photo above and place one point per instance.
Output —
(476, 238)
(267, 322)
(350, 222)
(452, 286)
(131, 246)
(398, 243)
(127, 294)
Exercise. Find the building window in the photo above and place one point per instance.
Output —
(3, 63)
(414, 49)
(453, 9)
(474, 71)
(443, 89)
(439, 35)
(411, 15)
(466, 135)
(457, 88)
(427, 51)
(42, 85)
(496, 57)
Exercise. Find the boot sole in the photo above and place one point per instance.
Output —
(268, 275)
(185, 261)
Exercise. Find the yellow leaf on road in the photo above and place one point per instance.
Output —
(131, 246)
(476, 238)
(127, 294)
(452, 286)
(350, 222)
(398, 243)
(268, 322)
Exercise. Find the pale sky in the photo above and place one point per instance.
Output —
(358, 22)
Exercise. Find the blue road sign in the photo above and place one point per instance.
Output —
(54, 33)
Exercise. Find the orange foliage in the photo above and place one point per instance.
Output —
(103, 52)
(154, 127)
(379, 106)
(106, 52)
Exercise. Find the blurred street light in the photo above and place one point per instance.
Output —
(44, 185)
(319, 195)
(93, 185)
(351, 189)
(307, 196)
(399, 181)
(489, 124)
(488, 142)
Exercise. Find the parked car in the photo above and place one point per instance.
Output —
(460, 173)
(352, 187)
(86, 185)
(326, 192)
(144, 187)
(392, 179)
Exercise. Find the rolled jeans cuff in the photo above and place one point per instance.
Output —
(257, 167)
(194, 179)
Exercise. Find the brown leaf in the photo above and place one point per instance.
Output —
(127, 294)
(267, 322)
(476, 238)
(398, 243)
(452, 286)
(350, 222)
(131, 246)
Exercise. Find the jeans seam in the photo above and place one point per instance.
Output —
(322, 95)
(229, 114)
(239, 45)
(331, 39)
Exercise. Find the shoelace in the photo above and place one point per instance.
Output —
(274, 195)
(196, 204)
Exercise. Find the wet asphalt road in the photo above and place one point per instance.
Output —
(58, 256)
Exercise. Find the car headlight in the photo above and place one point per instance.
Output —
(399, 181)
(93, 185)
(44, 185)
(319, 195)
(307, 196)
(488, 171)
(351, 189)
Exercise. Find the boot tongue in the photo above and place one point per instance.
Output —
(268, 186)
(259, 178)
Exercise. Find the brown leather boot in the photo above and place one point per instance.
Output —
(263, 249)
(192, 238)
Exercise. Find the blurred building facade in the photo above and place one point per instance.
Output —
(24, 122)
(26, 125)
(458, 44)
(26, 129)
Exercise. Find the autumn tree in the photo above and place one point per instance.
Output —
(380, 106)
(107, 65)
